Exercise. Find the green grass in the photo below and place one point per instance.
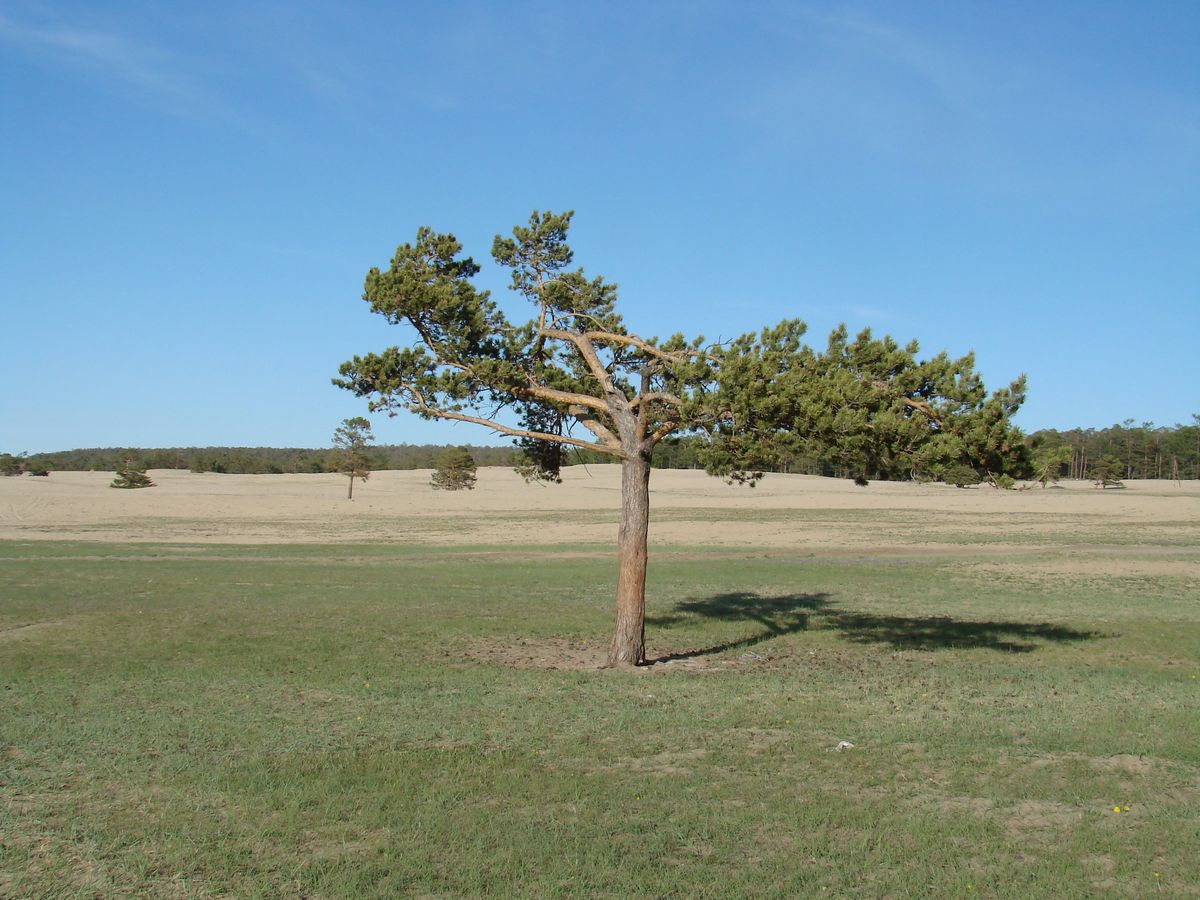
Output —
(358, 720)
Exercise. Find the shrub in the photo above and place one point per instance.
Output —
(960, 475)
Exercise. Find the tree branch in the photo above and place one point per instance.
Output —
(656, 396)
(923, 407)
(662, 431)
(632, 340)
(920, 405)
(437, 413)
(588, 351)
(599, 429)
(532, 390)
(541, 392)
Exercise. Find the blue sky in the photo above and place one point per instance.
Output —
(191, 193)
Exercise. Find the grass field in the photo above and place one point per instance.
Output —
(365, 719)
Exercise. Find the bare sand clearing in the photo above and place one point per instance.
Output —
(795, 512)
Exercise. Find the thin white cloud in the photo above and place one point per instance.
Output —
(851, 84)
(323, 84)
(152, 72)
(857, 33)
(857, 86)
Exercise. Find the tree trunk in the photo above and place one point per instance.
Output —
(629, 640)
(350, 493)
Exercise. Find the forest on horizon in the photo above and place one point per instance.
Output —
(1145, 451)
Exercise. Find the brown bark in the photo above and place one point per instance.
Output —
(350, 493)
(629, 638)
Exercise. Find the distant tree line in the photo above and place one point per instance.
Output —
(1145, 451)
(252, 460)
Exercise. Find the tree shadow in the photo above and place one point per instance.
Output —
(798, 612)
(777, 616)
(944, 632)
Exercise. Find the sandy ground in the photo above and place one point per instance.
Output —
(688, 508)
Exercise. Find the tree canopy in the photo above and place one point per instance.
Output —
(572, 364)
(866, 406)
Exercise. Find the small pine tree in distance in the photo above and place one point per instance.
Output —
(1107, 472)
(455, 470)
(131, 475)
(1048, 464)
(350, 450)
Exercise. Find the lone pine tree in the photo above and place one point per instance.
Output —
(350, 450)
(572, 375)
(455, 470)
(131, 476)
(1048, 463)
(1108, 472)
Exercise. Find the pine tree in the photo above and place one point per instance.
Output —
(1048, 464)
(455, 470)
(349, 450)
(131, 475)
(1108, 472)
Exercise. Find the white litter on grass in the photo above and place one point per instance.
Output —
(843, 745)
